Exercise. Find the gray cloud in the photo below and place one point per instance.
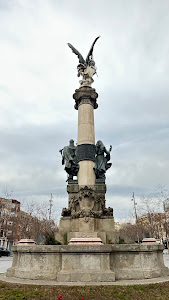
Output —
(38, 78)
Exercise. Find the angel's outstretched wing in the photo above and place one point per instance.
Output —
(90, 54)
(81, 59)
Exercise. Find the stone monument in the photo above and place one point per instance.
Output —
(86, 215)
(86, 222)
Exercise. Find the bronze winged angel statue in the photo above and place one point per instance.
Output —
(86, 68)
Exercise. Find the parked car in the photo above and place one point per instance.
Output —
(4, 252)
(165, 245)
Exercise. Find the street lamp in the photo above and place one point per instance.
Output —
(135, 211)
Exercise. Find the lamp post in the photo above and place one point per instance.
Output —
(166, 210)
(136, 218)
(50, 206)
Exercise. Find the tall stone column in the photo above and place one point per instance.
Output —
(85, 103)
(87, 216)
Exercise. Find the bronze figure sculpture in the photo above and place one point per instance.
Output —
(101, 160)
(69, 160)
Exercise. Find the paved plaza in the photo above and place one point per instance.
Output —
(5, 263)
(166, 259)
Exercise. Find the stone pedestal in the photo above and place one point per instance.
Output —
(76, 228)
(87, 215)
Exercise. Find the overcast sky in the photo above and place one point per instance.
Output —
(38, 76)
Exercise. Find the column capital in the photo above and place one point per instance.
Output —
(85, 95)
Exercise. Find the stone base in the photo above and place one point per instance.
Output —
(88, 263)
(102, 228)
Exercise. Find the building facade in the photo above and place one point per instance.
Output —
(9, 222)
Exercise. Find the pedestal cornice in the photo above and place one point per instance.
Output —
(85, 95)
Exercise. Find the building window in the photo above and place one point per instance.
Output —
(12, 214)
(9, 232)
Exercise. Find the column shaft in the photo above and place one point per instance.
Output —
(86, 133)
(85, 99)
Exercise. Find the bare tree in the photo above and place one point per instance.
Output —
(7, 193)
(151, 219)
(35, 222)
(151, 213)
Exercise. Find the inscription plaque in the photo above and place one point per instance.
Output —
(85, 152)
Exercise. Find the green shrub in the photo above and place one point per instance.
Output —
(50, 239)
(65, 238)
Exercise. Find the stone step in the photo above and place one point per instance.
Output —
(85, 241)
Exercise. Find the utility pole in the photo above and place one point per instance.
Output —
(136, 218)
(50, 206)
(166, 210)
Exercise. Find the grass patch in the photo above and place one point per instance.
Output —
(10, 291)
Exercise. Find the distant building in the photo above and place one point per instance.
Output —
(117, 226)
(16, 224)
(9, 218)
